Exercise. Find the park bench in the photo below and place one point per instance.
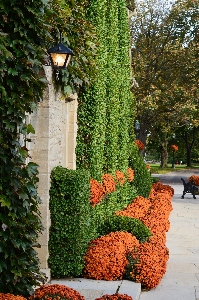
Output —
(189, 187)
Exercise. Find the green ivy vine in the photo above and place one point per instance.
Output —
(105, 109)
(27, 29)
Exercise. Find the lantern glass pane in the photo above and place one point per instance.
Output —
(68, 60)
(58, 59)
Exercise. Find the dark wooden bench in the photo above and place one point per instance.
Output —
(189, 187)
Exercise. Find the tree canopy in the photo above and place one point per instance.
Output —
(165, 67)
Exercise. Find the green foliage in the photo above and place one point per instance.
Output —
(21, 84)
(123, 223)
(142, 180)
(104, 110)
(71, 221)
(113, 202)
(78, 33)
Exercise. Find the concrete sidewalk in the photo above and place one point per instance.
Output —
(181, 281)
(92, 289)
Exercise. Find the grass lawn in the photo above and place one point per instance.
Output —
(156, 169)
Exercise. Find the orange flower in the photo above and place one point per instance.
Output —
(50, 291)
(108, 183)
(130, 174)
(152, 260)
(174, 147)
(9, 296)
(97, 192)
(115, 297)
(120, 177)
(195, 179)
(106, 256)
(140, 144)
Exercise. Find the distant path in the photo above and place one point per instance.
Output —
(175, 177)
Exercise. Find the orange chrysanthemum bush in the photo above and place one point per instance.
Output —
(157, 217)
(139, 144)
(116, 296)
(160, 187)
(137, 209)
(194, 178)
(97, 192)
(106, 256)
(147, 262)
(150, 261)
(10, 297)
(55, 291)
(154, 211)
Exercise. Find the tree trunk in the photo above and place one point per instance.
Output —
(189, 145)
(188, 157)
(164, 154)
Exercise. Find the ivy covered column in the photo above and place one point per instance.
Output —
(105, 110)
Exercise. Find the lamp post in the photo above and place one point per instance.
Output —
(60, 56)
(137, 128)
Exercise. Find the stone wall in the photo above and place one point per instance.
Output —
(53, 144)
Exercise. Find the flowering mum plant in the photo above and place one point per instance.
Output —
(152, 259)
(130, 174)
(195, 179)
(10, 297)
(120, 177)
(97, 192)
(106, 256)
(55, 292)
(140, 144)
(108, 183)
(115, 297)
(174, 147)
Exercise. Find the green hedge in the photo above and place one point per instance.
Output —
(71, 221)
(113, 202)
(123, 223)
(142, 180)
(74, 222)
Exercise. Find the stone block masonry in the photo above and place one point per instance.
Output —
(53, 144)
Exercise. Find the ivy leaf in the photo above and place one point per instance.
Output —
(4, 201)
(30, 129)
(68, 90)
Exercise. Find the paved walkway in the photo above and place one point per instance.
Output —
(181, 281)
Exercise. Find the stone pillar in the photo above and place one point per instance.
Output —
(52, 144)
(71, 133)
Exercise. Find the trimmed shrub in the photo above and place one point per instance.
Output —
(71, 221)
(142, 180)
(123, 223)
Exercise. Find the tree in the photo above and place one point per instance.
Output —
(166, 75)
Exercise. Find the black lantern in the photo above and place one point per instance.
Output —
(137, 128)
(60, 56)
